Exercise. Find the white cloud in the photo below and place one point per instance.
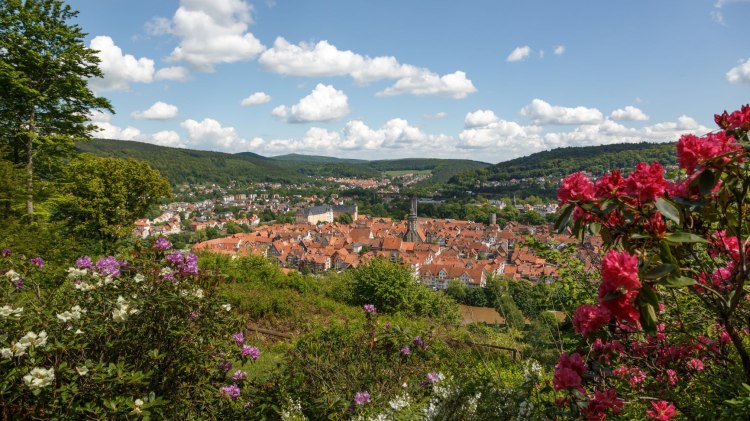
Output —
(172, 73)
(436, 116)
(542, 112)
(484, 130)
(119, 69)
(158, 26)
(108, 130)
(629, 113)
(559, 50)
(166, 138)
(158, 111)
(256, 99)
(325, 103)
(519, 54)
(209, 134)
(717, 14)
(479, 118)
(324, 59)
(212, 32)
(740, 73)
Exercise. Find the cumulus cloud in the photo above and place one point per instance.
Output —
(541, 112)
(165, 138)
(178, 73)
(519, 54)
(211, 32)
(108, 130)
(158, 111)
(324, 59)
(119, 69)
(629, 113)
(479, 118)
(559, 50)
(740, 73)
(325, 103)
(483, 129)
(256, 99)
(209, 134)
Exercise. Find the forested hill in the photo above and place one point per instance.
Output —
(191, 166)
(558, 163)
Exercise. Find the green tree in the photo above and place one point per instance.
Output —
(45, 102)
(104, 196)
(345, 219)
(457, 290)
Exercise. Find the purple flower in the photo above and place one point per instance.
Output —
(162, 244)
(369, 308)
(251, 351)
(167, 274)
(109, 266)
(38, 261)
(232, 391)
(190, 267)
(175, 258)
(418, 342)
(6, 252)
(193, 315)
(361, 398)
(405, 350)
(225, 365)
(434, 377)
(83, 262)
(239, 338)
(239, 375)
(18, 283)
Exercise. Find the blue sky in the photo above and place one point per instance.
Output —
(485, 80)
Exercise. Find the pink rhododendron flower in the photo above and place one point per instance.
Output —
(662, 411)
(610, 185)
(589, 318)
(620, 276)
(695, 364)
(600, 403)
(739, 119)
(656, 225)
(671, 377)
(568, 372)
(646, 182)
(576, 187)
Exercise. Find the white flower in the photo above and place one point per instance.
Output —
(83, 286)
(79, 332)
(6, 353)
(39, 378)
(74, 314)
(400, 402)
(123, 310)
(75, 273)
(8, 311)
(138, 278)
(82, 371)
(12, 275)
(16, 349)
(138, 402)
(198, 293)
(34, 340)
(227, 307)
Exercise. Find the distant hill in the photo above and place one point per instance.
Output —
(312, 158)
(191, 166)
(558, 163)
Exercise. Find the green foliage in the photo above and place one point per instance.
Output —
(392, 288)
(345, 219)
(102, 197)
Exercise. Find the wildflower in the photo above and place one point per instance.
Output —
(662, 411)
(38, 261)
(435, 377)
(576, 187)
(568, 372)
(590, 318)
(162, 244)
(82, 371)
(369, 308)
(239, 375)
(39, 378)
(695, 364)
(8, 312)
(83, 262)
(227, 307)
(232, 391)
(361, 398)
(34, 340)
(239, 338)
(405, 350)
(250, 351)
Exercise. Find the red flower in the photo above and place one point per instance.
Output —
(646, 182)
(656, 225)
(568, 372)
(600, 403)
(693, 151)
(589, 318)
(662, 411)
(722, 120)
(620, 276)
(610, 185)
(695, 364)
(576, 186)
(739, 119)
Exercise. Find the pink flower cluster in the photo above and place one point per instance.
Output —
(739, 119)
(662, 411)
(694, 151)
(576, 187)
(620, 285)
(589, 318)
(569, 372)
(600, 403)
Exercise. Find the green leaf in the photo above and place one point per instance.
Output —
(648, 302)
(668, 209)
(562, 220)
(684, 237)
(706, 182)
(677, 281)
(658, 272)
(594, 228)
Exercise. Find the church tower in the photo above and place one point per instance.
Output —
(412, 232)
